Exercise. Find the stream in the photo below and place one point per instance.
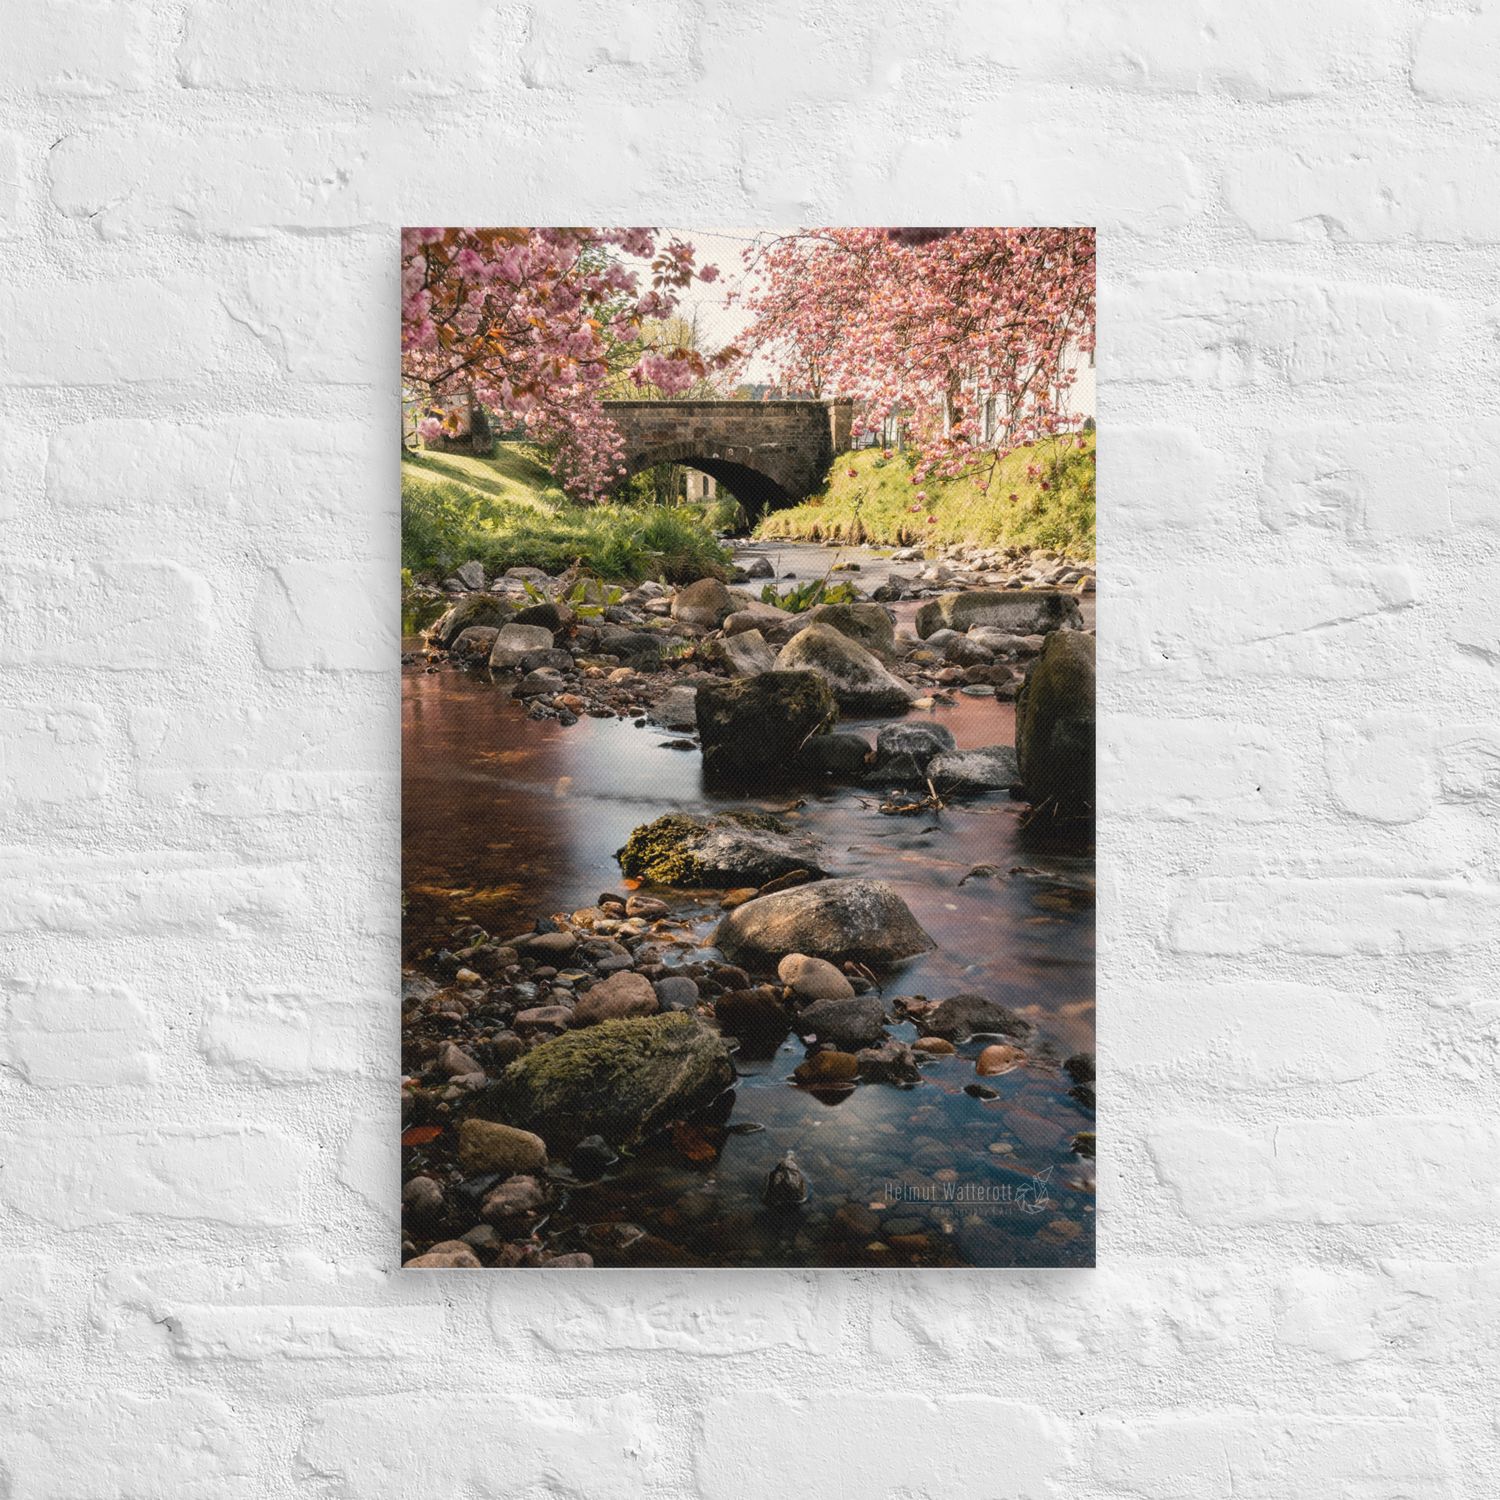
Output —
(506, 819)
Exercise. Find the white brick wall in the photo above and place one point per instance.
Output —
(1298, 1292)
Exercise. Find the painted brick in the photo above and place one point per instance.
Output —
(77, 47)
(78, 1176)
(279, 1036)
(380, 1449)
(852, 1440)
(209, 182)
(1199, 768)
(58, 1035)
(306, 618)
(1321, 1171)
(56, 753)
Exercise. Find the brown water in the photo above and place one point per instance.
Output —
(506, 819)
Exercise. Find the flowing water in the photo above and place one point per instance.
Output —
(508, 818)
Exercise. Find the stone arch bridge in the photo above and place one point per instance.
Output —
(765, 453)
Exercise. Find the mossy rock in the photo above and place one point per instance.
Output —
(731, 849)
(623, 1080)
(1055, 724)
(477, 609)
(753, 729)
(870, 624)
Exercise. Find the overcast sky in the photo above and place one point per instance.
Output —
(719, 322)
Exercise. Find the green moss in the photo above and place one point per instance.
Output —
(661, 851)
(874, 503)
(619, 1079)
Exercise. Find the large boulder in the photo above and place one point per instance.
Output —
(903, 752)
(870, 624)
(1018, 611)
(731, 849)
(515, 643)
(992, 768)
(1055, 724)
(747, 654)
(752, 728)
(860, 682)
(477, 609)
(834, 919)
(470, 574)
(704, 604)
(621, 1080)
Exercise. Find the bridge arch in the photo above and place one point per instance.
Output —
(765, 453)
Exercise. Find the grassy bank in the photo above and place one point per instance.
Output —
(507, 511)
(875, 503)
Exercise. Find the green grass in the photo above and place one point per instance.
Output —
(874, 504)
(508, 511)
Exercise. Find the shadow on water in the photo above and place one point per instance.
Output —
(506, 819)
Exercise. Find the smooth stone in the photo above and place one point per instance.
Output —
(858, 1021)
(860, 682)
(813, 978)
(827, 1067)
(513, 642)
(488, 1146)
(616, 998)
(839, 920)
(992, 768)
(973, 1015)
(450, 1255)
(999, 1058)
(903, 752)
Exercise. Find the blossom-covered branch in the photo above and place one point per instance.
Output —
(523, 321)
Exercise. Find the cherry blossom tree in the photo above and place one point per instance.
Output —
(522, 322)
(953, 329)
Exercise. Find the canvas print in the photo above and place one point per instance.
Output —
(748, 747)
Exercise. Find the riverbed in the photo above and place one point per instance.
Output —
(506, 819)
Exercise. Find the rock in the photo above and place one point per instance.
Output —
(890, 1062)
(841, 755)
(727, 850)
(678, 708)
(422, 1201)
(641, 649)
(870, 624)
(470, 574)
(937, 1046)
(969, 1015)
(994, 768)
(747, 653)
(833, 919)
(677, 992)
(786, 1188)
(478, 609)
(1080, 1067)
(858, 1021)
(813, 978)
(963, 651)
(860, 683)
(903, 751)
(704, 604)
(514, 642)
(752, 729)
(553, 657)
(592, 1157)
(766, 618)
(621, 1080)
(759, 567)
(450, 1255)
(548, 944)
(541, 1017)
(475, 641)
(615, 999)
(455, 1062)
(488, 1146)
(756, 1016)
(541, 683)
(999, 1058)
(996, 641)
(551, 617)
(1055, 724)
(515, 1205)
(1020, 612)
(827, 1067)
